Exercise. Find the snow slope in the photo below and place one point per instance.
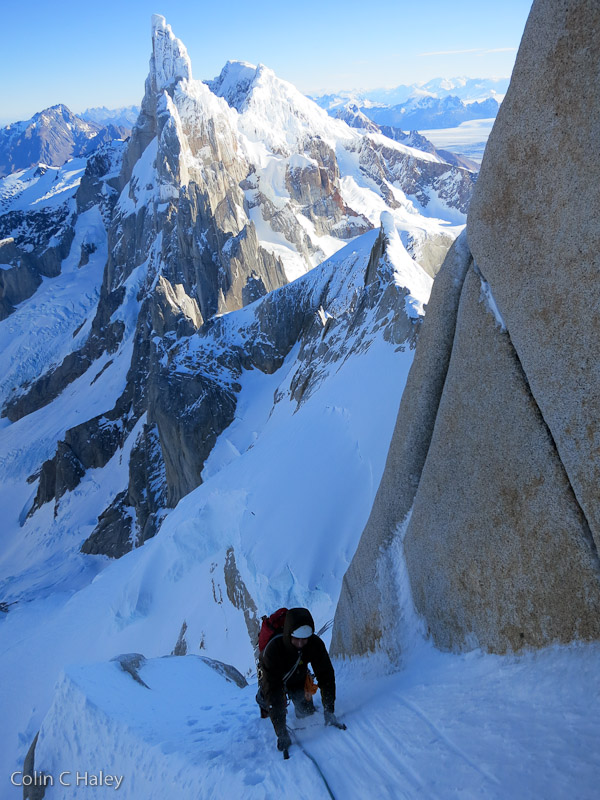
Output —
(59, 307)
(447, 727)
(40, 186)
(286, 493)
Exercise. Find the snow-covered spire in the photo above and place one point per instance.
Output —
(406, 271)
(170, 61)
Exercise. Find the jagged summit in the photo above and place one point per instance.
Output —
(170, 61)
(59, 109)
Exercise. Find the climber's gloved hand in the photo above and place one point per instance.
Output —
(284, 742)
(331, 719)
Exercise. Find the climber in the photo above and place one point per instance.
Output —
(283, 670)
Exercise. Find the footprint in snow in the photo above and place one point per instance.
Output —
(253, 778)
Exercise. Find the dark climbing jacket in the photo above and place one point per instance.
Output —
(283, 668)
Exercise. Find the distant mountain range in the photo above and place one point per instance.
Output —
(124, 117)
(469, 90)
(440, 103)
(427, 112)
(52, 137)
(354, 117)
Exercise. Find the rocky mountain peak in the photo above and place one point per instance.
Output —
(353, 116)
(125, 116)
(274, 111)
(53, 112)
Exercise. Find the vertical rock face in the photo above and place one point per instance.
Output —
(490, 488)
(498, 550)
(540, 189)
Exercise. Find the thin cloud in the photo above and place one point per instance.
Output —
(477, 50)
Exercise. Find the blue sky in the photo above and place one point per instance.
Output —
(97, 54)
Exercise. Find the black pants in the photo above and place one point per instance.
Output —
(295, 691)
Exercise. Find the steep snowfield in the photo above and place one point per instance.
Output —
(447, 727)
(60, 307)
(41, 186)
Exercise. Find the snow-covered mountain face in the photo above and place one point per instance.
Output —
(227, 198)
(52, 137)
(271, 111)
(160, 372)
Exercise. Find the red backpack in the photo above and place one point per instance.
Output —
(270, 627)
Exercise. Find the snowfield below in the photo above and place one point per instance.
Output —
(471, 726)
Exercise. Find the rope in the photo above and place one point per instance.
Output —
(314, 761)
(325, 627)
